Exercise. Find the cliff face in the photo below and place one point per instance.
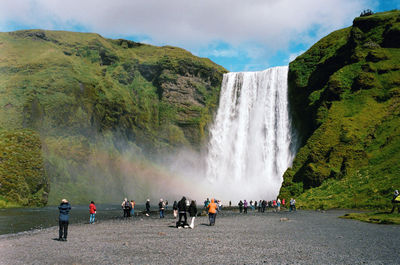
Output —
(345, 98)
(85, 94)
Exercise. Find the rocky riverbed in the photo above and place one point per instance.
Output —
(302, 237)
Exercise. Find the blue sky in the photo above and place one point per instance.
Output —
(239, 35)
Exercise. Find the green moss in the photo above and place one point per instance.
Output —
(349, 118)
(374, 217)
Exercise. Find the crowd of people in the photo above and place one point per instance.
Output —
(184, 207)
(128, 207)
(263, 205)
(180, 209)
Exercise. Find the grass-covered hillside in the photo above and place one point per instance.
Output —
(345, 98)
(93, 99)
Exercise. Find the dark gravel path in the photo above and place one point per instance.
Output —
(306, 238)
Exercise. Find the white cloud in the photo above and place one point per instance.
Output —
(267, 25)
(273, 22)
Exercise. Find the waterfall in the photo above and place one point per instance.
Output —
(250, 139)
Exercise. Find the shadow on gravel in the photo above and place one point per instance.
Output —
(56, 239)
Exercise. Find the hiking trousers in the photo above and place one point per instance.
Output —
(183, 214)
(127, 212)
(92, 217)
(63, 231)
(395, 204)
(212, 217)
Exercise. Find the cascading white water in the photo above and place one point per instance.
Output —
(249, 148)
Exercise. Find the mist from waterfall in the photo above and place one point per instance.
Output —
(250, 139)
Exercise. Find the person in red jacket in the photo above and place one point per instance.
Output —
(92, 211)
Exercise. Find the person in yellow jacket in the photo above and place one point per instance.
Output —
(212, 211)
(396, 201)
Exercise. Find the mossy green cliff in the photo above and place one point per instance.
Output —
(85, 95)
(345, 98)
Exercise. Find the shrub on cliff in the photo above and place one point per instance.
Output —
(23, 179)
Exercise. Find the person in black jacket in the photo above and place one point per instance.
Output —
(240, 206)
(182, 209)
(264, 205)
(63, 219)
(148, 207)
(192, 212)
(126, 206)
(161, 207)
(175, 209)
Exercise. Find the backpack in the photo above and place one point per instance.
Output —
(127, 205)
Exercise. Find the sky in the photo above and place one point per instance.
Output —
(241, 35)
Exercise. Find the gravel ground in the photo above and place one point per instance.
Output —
(307, 237)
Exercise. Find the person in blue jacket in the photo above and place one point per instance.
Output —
(63, 219)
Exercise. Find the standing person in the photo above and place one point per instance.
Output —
(251, 204)
(126, 206)
(240, 204)
(148, 207)
(63, 219)
(259, 206)
(396, 201)
(182, 213)
(292, 205)
(161, 207)
(166, 205)
(206, 203)
(274, 205)
(245, 205)
(133, 203)
(278, 205)
(175, 209)
(212, 212)
(92, 212)
(283, 202)
(192, 213)
(264, 205)
(219, 205)
(230, 204)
